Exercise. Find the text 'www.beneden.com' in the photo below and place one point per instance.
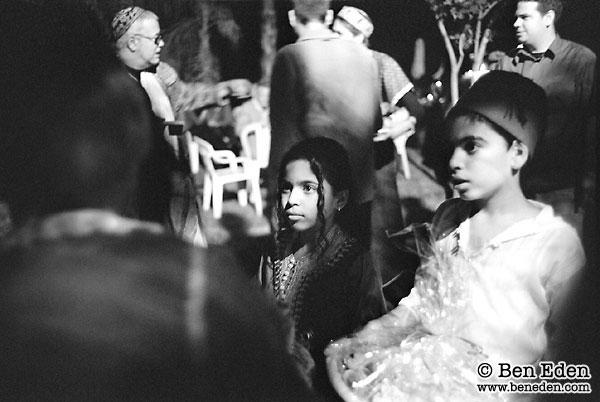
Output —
(542, 378)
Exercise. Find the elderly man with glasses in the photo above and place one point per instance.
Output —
(137, 37)
(138, 43)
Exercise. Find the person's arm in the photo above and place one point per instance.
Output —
(397, 87)
(589, 177)
(412, 104)
(563, 282)
(400, 317)
(368, 290)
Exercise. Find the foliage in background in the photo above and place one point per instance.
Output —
(202, 46)
(466, 27)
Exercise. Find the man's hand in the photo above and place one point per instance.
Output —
(398, 124)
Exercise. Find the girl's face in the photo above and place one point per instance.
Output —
(482, 162)
(299, 197)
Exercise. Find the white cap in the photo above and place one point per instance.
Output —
(358, 19)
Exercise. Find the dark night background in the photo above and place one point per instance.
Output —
(398, 23)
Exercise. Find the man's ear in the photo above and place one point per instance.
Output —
(132, 43)
(549, 17)
(329, 18)
(292, 18)
(519, 154)
(342, 199)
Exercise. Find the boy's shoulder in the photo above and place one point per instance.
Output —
(451, 213)
(448, 216)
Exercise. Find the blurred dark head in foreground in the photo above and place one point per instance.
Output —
(133, 324)
(123, 312)
(74, 127)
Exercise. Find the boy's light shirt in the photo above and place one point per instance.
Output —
(521, 276)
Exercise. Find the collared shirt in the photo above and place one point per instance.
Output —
(518, 281)
(566, 72)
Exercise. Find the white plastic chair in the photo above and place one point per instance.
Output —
(238, 169)
(262, 143)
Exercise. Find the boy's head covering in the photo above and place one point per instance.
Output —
(124, 19)
(358, 19)
(511, 101)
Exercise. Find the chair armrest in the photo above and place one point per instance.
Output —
(226, 157)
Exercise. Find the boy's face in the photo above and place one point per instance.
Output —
(299, 197)
(482, 162)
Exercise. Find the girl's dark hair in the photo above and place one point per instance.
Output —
(328, 161)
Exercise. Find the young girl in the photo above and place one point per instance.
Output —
(324, 276)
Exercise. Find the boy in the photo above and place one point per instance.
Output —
(520, 256)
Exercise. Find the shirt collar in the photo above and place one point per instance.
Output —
(523, 54)
(544, 219)
(324, 33)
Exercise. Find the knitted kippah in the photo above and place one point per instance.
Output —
(511, 101)
(358, 19)
(124, 19)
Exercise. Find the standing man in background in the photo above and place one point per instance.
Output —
(138, 43)
(562, 171)
(396, 92)
(323, 85)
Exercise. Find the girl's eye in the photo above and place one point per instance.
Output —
(309, 188)
(285, 188)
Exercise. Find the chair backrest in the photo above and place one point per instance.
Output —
(259, 148)
(206, 152)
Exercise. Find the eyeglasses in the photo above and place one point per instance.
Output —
(156, 39)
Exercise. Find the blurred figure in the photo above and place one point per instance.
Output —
(95, 306)
(323, 85)
(253, 109)
(401, 110)
(138, 41)
(397, 90)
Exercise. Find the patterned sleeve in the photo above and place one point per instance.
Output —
(395, 83)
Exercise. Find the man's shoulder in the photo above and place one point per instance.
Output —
(508, 60)
(327, 53)
(582, 52)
